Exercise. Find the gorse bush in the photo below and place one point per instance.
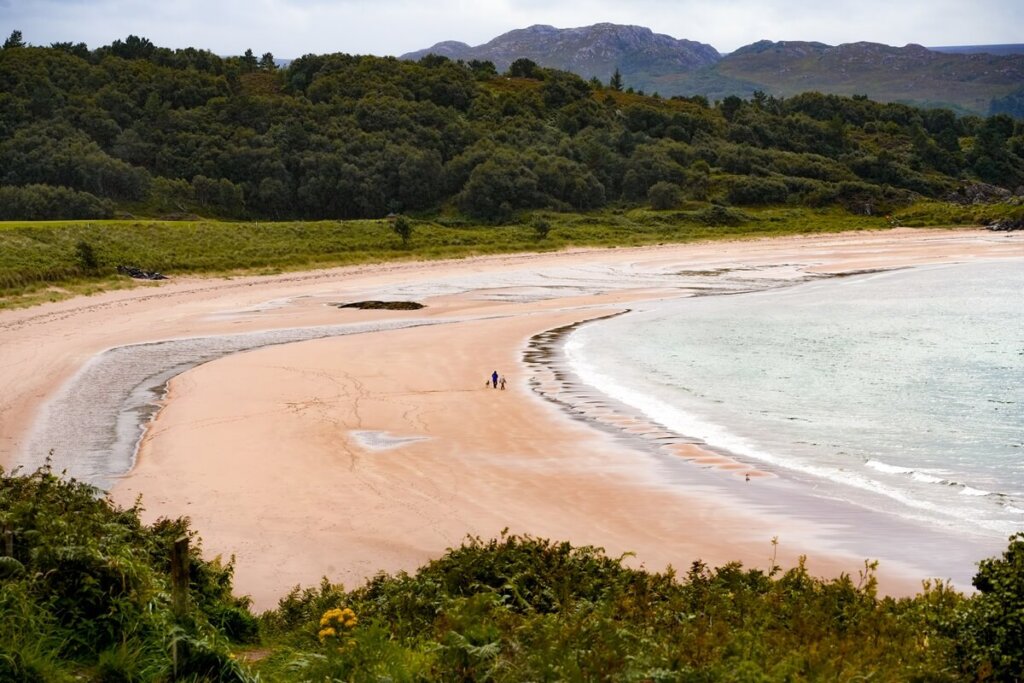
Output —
(85, 595)
(519, 608)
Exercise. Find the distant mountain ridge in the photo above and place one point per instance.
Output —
(590, 51)
(966, 79)
(1009, 49)
(912, 74)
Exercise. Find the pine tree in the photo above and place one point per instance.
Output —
(616, 81)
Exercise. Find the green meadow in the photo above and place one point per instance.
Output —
(51, 260)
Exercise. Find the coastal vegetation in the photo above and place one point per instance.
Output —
(135, 128)
(50, 260)
(87, 593)
(181, 161)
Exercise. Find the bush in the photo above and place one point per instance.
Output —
(520, 608)
(992, 633)
(95, 591)
(45, 202)
(541, 227)
(753, 190)
(403, 228)
(664, 195)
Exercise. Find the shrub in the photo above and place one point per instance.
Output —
(45, 202)
(403, 228)
(753, 190)
(664, 195)
(95, 591)
(992, 634)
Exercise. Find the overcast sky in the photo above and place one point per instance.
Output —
(290, 28)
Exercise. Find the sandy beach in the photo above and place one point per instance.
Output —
(349, 455)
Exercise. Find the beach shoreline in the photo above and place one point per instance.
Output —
(296, 486)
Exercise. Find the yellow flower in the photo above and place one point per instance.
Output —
(336, 619)
(327, 633)
(329, 615)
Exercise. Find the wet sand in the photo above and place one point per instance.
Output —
(345, 456)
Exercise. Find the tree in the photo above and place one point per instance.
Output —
(14, 40)
(663, 195)
(525, 68)
(403, 228)
(616, 81)
(730, 105)
(267, 62)
(133, 47)
(992, 635)
(482, 70)
(249, 61)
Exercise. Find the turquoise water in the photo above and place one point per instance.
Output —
(902, 392)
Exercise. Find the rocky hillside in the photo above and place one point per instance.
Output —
(590, 51)
(970, 83)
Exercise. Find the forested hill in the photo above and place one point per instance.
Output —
(151, 131)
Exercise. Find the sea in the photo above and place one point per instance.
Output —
(899, 394)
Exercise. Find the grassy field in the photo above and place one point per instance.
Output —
(51, 260)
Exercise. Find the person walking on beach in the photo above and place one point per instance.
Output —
(502, 382)
(494, 379)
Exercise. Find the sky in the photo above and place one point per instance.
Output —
(291, 28)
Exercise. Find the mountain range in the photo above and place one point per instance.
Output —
(968, 80)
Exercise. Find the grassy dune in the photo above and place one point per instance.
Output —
(51, 260)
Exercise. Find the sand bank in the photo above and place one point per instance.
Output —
(350, 455)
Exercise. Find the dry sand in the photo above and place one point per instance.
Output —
(346, 456)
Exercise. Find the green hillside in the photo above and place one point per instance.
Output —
(135, 129)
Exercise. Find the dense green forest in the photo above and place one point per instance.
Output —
(131, 128)
(86, 593)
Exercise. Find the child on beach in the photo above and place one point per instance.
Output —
(502, 382)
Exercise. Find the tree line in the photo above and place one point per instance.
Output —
(135, 128)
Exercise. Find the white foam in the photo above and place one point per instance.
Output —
(717, 436)
(970, 491)
(887, 468)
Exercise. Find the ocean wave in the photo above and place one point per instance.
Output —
(971, 491)
(719, 436)
(887, 468)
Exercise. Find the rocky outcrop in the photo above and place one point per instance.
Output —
(978, 193)
(590, 51)
(139, 273)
